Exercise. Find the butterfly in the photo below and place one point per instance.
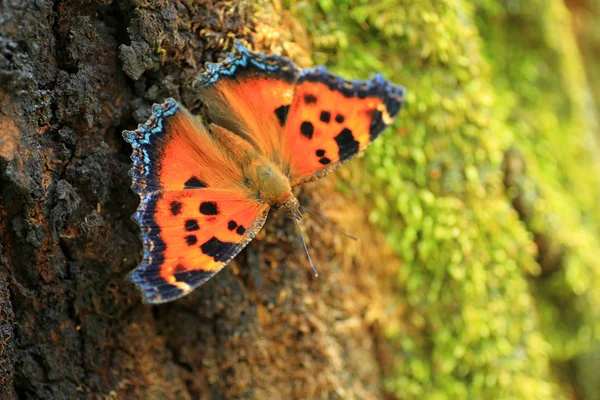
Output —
(206, 190)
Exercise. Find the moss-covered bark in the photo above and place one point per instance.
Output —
(488, 191)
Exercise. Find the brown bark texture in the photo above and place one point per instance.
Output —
(73, 76)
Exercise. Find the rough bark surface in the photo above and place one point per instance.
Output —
(73, 75)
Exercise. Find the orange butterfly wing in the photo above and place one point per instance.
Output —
(195, 213)
(189, 237)
(331, 120)
(307, 122)
(250, 94)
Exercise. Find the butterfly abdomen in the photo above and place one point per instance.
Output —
(271, 186)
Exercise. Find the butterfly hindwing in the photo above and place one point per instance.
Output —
(250, 94)
(191, 235)
(332, 119)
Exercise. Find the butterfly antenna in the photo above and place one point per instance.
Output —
(305, 248)
(326, 222)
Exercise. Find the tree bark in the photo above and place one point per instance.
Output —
(73, 76)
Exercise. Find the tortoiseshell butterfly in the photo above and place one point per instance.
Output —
(206, 190)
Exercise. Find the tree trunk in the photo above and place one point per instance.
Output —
(74, 75)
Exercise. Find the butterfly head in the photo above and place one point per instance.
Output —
(290, 206)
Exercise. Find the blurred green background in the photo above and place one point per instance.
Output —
(488, 188)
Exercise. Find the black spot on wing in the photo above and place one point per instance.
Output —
(194, 183)
(231, 225)
(320, 153)
(310, 99)
(209, 208)
(281, 113)
(216, 249)
(175, 208)
(325, 161)
(191, 225)
(191, 240)
(325, 116)
(339, 118)
(347, 146)
(240, 230)
(307, 129)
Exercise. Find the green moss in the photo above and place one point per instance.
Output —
(541, 83)
(475, 327)
(588, 18)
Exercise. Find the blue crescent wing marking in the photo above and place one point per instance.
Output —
(143, 139)
(243, 59)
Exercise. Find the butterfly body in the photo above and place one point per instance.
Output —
(206, 190)
(263, 177)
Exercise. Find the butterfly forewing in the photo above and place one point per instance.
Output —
(332, 119)
(174, 151)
